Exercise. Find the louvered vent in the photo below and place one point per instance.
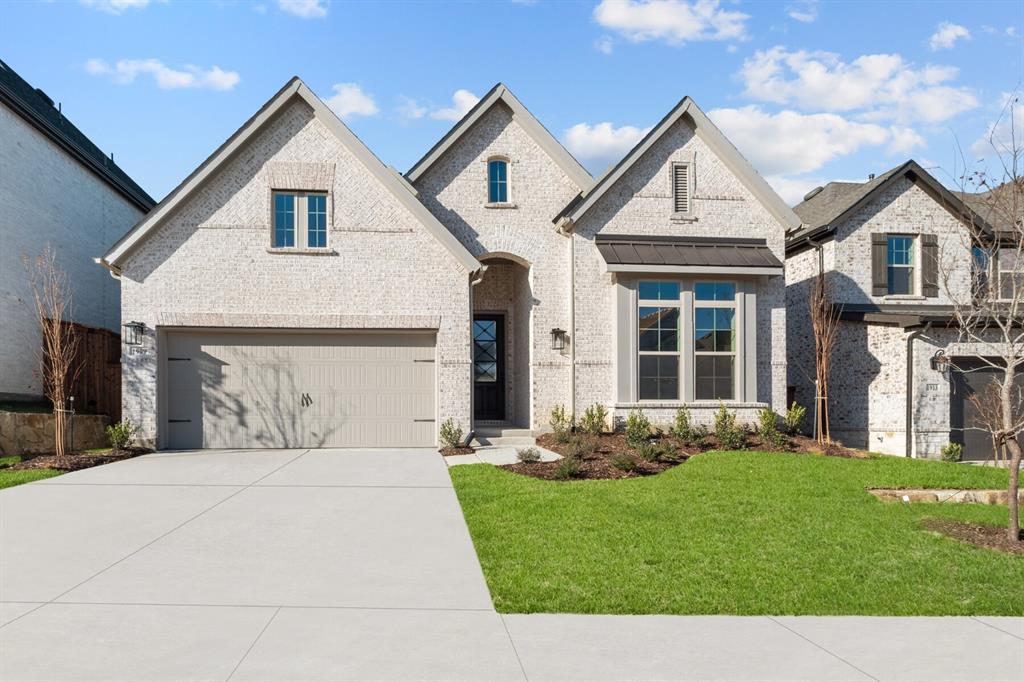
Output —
(681, 188)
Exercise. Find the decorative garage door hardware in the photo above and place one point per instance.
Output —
(306, 400)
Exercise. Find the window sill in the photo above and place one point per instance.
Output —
(501, 204)
(683, 218)
(903, 297)
(702, 404)
(326, 251)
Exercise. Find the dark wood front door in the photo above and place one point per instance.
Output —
(489, 366)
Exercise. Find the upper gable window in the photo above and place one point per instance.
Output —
(682, 189)
(900, 261)
(300, 220)
(497, 181)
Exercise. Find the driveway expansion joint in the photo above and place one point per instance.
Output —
(830, 653)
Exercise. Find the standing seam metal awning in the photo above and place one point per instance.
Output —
(625, 253)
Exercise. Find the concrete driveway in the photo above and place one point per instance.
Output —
(357, 565)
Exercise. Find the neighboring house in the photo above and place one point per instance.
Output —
(892, 249)
(58, 189)
(294, 291)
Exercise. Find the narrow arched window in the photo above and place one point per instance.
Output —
(497, 181)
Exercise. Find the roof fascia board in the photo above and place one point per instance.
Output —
(696, 269)
(714, 138)
(541, 135)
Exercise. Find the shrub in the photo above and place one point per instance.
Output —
(952, 452)
(794, 419)
(561, 424)
(122, 434)
(623, 462)
(768, 429)
(451, 433)
(568, 467)
(528, 455)
(594, 419)
(580, 447)
(648, 452)
(668, 452)
(638, 428)
(682, 427)
(729, 435)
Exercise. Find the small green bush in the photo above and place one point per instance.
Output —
(682, 427)
(729, 435)
(561, 424)
(594, 418)
(122, 434)
(952, 452)
(451, 433)
(768, 429)
(638, 428)
(794, 419)
(528, 455)
(648, 452)
(568, 467)
(668, 452)
(623, 462)
(581, 446)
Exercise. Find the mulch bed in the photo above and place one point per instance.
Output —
(76, 461)
(447, 451)
(989, 537)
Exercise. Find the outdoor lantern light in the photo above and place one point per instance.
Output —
(940, 361)
(133, 332)
(558, 339)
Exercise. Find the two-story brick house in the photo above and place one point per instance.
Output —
(294, 291)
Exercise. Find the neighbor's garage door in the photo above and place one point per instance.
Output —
(965, 419)
(299, 389)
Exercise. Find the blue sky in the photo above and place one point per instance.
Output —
(809, 91)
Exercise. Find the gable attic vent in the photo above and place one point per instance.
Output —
(813, 193)
(681, 187)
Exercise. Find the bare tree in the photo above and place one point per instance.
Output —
(58, 366)
(988, 307)
(825, 327)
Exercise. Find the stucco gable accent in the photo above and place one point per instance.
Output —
(501, 94)
(714, 139)
(295, 88)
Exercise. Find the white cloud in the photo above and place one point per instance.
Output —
(462, 102)
(410, 109)
(674, 21)
(904, 140)
(604, 45)
(304, 9)
(349, 99)
(875, 87)
(601, 144)
(114, 6)
(946, 35)
(792, 190)
(804, 11)
(125, 71)
(1006, 132)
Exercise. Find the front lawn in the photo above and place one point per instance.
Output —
(738, 533)
(10, 478)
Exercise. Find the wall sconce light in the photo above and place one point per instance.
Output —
(132, 334)
(558, 337)
(940, 362)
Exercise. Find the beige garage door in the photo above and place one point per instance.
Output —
(302, 389)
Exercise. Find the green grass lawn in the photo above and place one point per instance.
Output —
(11, 478)
(738, 533)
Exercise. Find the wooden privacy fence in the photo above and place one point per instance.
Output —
(97, 389)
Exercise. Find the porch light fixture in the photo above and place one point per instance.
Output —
(133, 332)
(940, 362)
(558, 337)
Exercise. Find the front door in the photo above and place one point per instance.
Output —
(489, 367)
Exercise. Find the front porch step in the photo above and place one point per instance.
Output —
(480, 441)
(498, 431)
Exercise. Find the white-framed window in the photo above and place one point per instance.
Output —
(901, 262)
(682, 188)
(497, 181)
(658, 340)
(714, 341)
(299, 220)
(1009, 278)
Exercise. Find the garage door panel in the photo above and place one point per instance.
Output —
(300, 389)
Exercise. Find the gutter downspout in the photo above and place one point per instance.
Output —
(564, 229)
(910, 387)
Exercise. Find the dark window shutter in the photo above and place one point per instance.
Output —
(879, 265)
(929, 265)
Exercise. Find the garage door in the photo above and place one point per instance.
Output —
(299, 389)
(965, 420)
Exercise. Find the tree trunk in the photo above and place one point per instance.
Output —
(1013, 489)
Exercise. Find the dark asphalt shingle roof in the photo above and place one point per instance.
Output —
(39, 110)
(834, 200)
(692, 251)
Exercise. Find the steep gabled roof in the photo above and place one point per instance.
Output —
(36, 108)
(499, 93)
(823, 211)
(711, 136)
(295, 88)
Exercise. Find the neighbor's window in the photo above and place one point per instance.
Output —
(900, 261)
(980, 272)
(497, 181)
(1011, 280)
(681, 179)
(658, 340)
(714, 340)
(294, 209)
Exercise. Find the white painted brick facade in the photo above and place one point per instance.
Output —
(47, 197)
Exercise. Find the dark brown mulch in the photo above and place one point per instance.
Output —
(989, 537)
(464, 450)
(598, 464)
(76, 461)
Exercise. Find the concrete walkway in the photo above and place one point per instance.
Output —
(357, 565)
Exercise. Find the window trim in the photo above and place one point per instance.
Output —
(679, 353)
(914, 267)
(690, 184)
(508, 181)
(300, 222)
(734, 305)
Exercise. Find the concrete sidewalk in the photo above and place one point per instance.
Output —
(357, 565)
